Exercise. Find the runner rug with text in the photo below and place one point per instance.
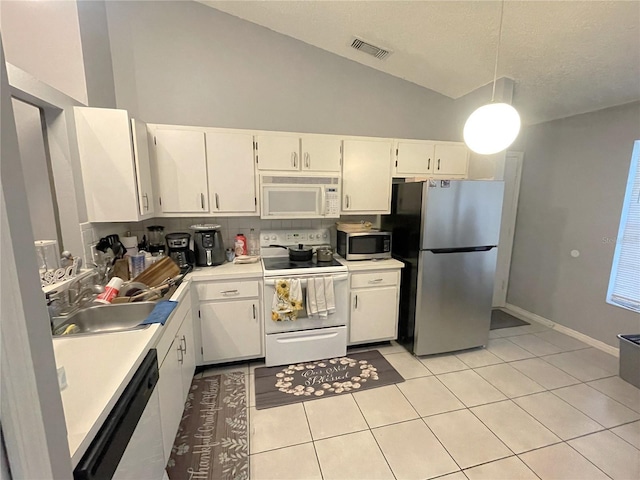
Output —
(212, 440)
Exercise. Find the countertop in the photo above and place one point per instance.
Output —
(227, 270)
(98, 368)
(363, 265)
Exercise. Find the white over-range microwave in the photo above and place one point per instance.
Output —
(285, 196)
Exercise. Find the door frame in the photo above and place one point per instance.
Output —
(512, 176)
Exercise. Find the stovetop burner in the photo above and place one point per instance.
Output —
(283, 263)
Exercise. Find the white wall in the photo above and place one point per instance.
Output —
(185, 63)
(43, 38)
(573, 184)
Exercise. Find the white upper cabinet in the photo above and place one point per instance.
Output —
(451, 159)
(366, 176)
(115, 165)
(414, 158)
(432, 159)
(298, 152)
(143, 167)
(321, 153)
(181, 166)
(278, 152)
(232, 180)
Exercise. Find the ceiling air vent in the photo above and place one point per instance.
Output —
(366, 47)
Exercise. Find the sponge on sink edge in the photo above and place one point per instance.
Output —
(161, 312)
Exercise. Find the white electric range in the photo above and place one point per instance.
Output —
(305, 339)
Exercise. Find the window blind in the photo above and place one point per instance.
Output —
(624, 283)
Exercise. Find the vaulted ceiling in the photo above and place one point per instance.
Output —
(565, 57)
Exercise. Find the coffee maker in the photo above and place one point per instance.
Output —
(208, 245)
(179, 251)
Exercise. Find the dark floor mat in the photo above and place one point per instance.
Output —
(306, 381)
(500, 319)
(213, 441)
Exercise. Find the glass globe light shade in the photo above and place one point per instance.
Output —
(491, 128)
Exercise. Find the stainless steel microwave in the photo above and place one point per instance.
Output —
(364, 245)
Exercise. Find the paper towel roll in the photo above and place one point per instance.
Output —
(131, 244)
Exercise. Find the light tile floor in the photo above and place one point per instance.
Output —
(535, 404)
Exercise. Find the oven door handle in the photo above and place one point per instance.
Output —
(303, 281)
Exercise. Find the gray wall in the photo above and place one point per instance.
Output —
(96, 54)
(573, 184)
(185, 63)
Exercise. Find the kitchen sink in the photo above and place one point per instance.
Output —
(104, 319)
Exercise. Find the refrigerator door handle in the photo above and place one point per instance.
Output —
(461, 250)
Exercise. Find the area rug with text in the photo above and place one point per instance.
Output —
(212, 440)
(275, 386)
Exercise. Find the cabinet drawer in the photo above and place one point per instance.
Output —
(171, 327)
(227, 290)
(306, 345)
(374, 279)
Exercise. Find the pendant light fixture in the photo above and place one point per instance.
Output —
(492, 127)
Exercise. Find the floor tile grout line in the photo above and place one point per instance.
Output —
(623, 439)
(588, 382)
(585, 413)
(527, 413)
(586, 458)
(504, 393)
(304, 409)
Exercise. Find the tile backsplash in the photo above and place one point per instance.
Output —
(230, 226)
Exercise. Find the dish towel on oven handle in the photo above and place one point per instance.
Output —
(287, 300)
(320, 297)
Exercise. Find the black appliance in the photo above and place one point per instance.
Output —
(179, 251)
(208, 245)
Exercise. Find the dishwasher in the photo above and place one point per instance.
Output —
(129, 446)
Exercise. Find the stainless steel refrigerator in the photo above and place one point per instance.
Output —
(446, 233)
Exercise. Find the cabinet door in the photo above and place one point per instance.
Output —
(366, 176)
(230, 330)
(143, 167)
(321, 153)
(415, 158)
(451, 159)
(373, 314)
(278, 152)
(232, 186)
(171, 399)
(106, 159)
(185, 337)
(182, 171)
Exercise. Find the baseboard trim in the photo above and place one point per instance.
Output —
(530, 316)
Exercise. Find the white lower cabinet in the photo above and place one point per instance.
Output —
(230, 321)
(374, 306)
(177, 365)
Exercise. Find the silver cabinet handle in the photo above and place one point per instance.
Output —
(294, 159)
(183, 340)
(377, 280)
(438, 164)
(146, 201)
(307, 160)
(217, 202)
(346, 200)
(180, 355)
(202, 200)
(356, 305)
(254, 311)
(428, 163)
(230, 292)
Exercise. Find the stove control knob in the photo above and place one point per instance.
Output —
(266, 237)
(324, 236)
(273, 237)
